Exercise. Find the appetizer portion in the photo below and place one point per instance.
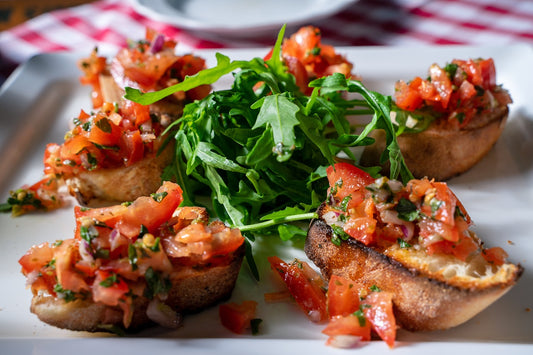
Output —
(150, 64)
(307, 58)
(350, 310)
(129, 266)
(117, 152)
(410, 240)
(112, 155)
(449, 121)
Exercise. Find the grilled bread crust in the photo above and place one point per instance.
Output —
(193, 289)
(441, 153)
(117, 185)
(426, 294)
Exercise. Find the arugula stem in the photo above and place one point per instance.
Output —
(273, 222)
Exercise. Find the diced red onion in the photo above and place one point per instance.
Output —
(344, 341)
(85, 251)
(32, 277)
(163, 315)
(157, 44)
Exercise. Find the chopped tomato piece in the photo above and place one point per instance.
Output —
(151, 211)
(237, 317)
(350, 324)
(345, 180)
(342, 296)
(305, 285)
(495, 255)
(109, 288)
(455, 93)
(377, 308)
(362, 229)
(36, 258)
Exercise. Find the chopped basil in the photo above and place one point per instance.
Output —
(338, 234)
(109, 281)
(144, 230)
(254, 325)
(406, 210)
(315, 51)
(66, 295)
(132, 256)
(344, 203)
(158, 197)
(435, 204)
(92, 161)
(115, 148)
(360, 317)
(88, 233)
(51, 263)
(157, 283)
(451, 69)
(374, 288)
(104, 125)
(403, 243)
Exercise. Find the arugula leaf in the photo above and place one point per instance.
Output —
(260, 148)
(279, 113)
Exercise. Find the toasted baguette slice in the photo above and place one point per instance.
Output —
(193, 290)
(429, 292)
(129, 267)
(117, 185)
(441, 152)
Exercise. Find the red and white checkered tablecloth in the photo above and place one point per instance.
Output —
(108, 24)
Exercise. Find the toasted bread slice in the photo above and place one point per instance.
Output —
(122, 184)
(442, 152)
(193, 290)
(430, 292)
(129, 267)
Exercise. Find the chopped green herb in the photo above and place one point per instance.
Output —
(157, 283)
(407, 210)
(403, 243)
(254, 325)
(158, 197)
(109, 281)
(66, 295)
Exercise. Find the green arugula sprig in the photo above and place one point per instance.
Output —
(260, 149)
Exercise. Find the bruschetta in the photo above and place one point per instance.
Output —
(448, 121)
(307, 58)
(130, 266)
(412, 241)
(149, 64)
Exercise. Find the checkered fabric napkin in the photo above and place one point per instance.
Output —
(108, 24)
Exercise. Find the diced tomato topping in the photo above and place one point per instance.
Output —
(66, 255)
(377, 308)
(237, 317)
(342, 296)
(495, 255)
(350, 324)
(36, 258)
(346, 179)
(305, 285)
(109, 288)
(362, 229)
(307, 58)
(150, 211)
(457, 92)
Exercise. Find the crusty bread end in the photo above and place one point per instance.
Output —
(193, 289)
(429, 292)
(117, 185)
(441, 153)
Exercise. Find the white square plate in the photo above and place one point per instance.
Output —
(39, 100)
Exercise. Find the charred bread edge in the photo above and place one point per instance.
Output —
(191, 292)
(420, 302)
